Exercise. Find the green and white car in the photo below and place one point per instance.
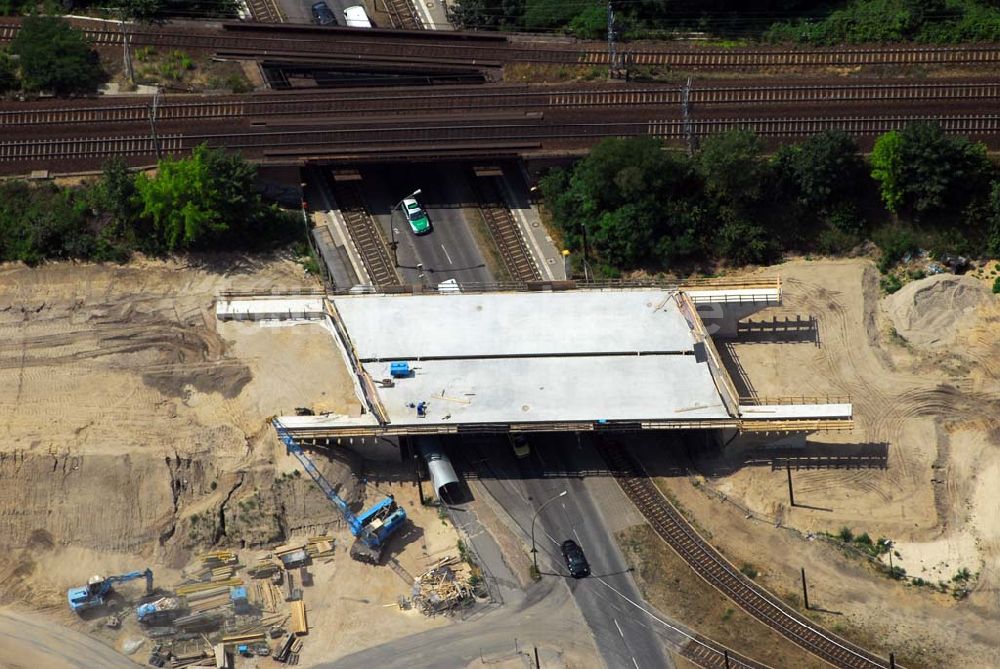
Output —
(416, 217)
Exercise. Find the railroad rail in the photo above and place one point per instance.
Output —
(505, 231)
(712, 567)
(364, 233)
(397, 102)
(404, 15)
(266, 11)
(430, 137)
(478, 50)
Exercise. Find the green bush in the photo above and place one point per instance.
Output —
(890, 283)
(996, 285)
(894, 243)
(845, 534)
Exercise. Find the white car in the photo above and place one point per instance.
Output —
(416, 217)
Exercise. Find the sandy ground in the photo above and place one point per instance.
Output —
(933, 411)
(136, 434)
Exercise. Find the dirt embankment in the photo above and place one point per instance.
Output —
(921, 468)
(135, 430)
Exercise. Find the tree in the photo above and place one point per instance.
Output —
(114, 199)
(634, 200)
(183, 201)
(208, 199)
(734, 172)
(993, 222)
(887, 168)
(822, 171)
(55, 57)
(923, 172)
(8, 74)
(39, 222)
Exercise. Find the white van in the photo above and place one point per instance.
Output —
(357, 17)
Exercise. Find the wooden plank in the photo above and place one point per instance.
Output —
(299, 625)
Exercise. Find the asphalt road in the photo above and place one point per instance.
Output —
(608, 599)
(300, 11)
(449, 251)
(30, 640)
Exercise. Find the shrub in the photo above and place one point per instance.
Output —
(846, 535)
(996, 285)
(890, 283)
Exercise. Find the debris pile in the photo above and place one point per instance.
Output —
(440, 589)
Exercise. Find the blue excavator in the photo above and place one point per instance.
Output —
(98, 588)
(372, 527)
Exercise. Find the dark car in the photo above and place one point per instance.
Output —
(323, 15)
(576, 561)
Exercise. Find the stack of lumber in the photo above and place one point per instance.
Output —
(438, 590)
(298, 625)
(266, 595)
(264, 567)
(243, 637)
(319, 547)
(208, 599)
(284, 549)
(190, 588)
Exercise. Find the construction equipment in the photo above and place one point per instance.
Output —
(163, 610)
(372, 528)
(98, 588)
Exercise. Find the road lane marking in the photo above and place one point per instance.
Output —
(450, 261)
(578, 539)
(620, 633)
(635, 663)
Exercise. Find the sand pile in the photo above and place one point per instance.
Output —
(931, 312)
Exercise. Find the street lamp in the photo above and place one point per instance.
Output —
(392, 229)
(534, 551)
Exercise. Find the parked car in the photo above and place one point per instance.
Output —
(519, 443)
(416, 216)
(357, 17)
(323, 15)
(576, 561)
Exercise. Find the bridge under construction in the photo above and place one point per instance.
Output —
(558, 358)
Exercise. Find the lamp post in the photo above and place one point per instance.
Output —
(392, 229)
(534, 551)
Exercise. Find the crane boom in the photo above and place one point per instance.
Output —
(372, 528)
(317, 477)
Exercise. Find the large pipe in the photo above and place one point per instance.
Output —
(443, 475)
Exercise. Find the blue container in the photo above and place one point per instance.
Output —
(399, 369)
(237, 594)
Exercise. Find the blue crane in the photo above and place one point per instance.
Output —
(98, 588)
(372, 528)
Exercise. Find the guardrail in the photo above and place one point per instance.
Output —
(792, 399)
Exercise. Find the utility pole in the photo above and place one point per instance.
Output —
(805, 590)
(688, 126)
(614, 58)
(892, 661)
(791, 493)
(126, 53)
(725, 656)
(156, 141)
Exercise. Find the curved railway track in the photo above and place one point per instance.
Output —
(483, 98)
(476, 49)
(719, 573)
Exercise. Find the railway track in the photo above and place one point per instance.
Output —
(414, 47)
(505, 232)
(404, 15)
(397, 102)
(365, 235)
(86, 148)
(266, 11)
(719, 573)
